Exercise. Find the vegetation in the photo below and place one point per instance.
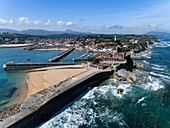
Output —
(84, 39)
(93, 60)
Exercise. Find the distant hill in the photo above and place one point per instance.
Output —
(9, 30)
(159, 34)
(41, 32)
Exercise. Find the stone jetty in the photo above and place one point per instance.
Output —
(62, 55)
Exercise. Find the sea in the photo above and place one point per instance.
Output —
(13, 88)
(145, 104)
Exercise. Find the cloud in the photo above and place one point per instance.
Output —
(69, 23)
(37, 22)
(154, 26)
(27, 21)
(60, 22)
(116, 27)
(4, 22)
(48, 22)
(24, 21)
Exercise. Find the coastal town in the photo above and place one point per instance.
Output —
(84, 64)
(102, 51)
(108, 54)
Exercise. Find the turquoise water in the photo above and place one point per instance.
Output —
(12, 83)
(143, 105)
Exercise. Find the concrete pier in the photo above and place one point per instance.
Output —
(80, 59)
(62, 55)
(25, 66)
(39, 107)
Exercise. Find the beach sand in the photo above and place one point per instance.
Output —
(40, 79)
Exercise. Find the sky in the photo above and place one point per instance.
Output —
(97, 16)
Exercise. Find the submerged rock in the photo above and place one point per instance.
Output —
(120, 91)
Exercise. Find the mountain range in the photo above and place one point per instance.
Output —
(46, 32)
(159, 34)
(41, 32)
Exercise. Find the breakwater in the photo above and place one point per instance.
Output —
(39, 107)
(62, 55)
(80, 59)
(25, 66)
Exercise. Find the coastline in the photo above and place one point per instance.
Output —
(132, 77)
(40, 79)
(37, 80)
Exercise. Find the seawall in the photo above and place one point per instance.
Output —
(39, 107)
(25, 66)
(62, 55)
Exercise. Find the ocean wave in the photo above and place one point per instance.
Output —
(118, 85)
(142, 99)
(160, 75)
(104, 90)
(145, 62)
(89, 112)
(161, 46)
(153, 84)
(159, 69)
(158, 66)
(147, 55)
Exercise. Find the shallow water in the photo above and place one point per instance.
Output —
(12, 83)
(144, 105)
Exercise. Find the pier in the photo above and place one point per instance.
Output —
(24, 66)
(62, 55)
(39, 107)
(80, 59)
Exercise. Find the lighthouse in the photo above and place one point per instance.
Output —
(115, 38)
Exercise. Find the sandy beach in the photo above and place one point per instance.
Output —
(14, 45)
(40, 79)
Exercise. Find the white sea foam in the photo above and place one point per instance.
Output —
(145, 62)
(156, 65)
(161, 46)
(160, 69)
(160, 75)
(86, 111)
(142, 99)
(154, 84)
(165, 44)
(147, 55)
(104, 90)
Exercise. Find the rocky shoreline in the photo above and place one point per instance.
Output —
(9, 111)
(131, 76)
